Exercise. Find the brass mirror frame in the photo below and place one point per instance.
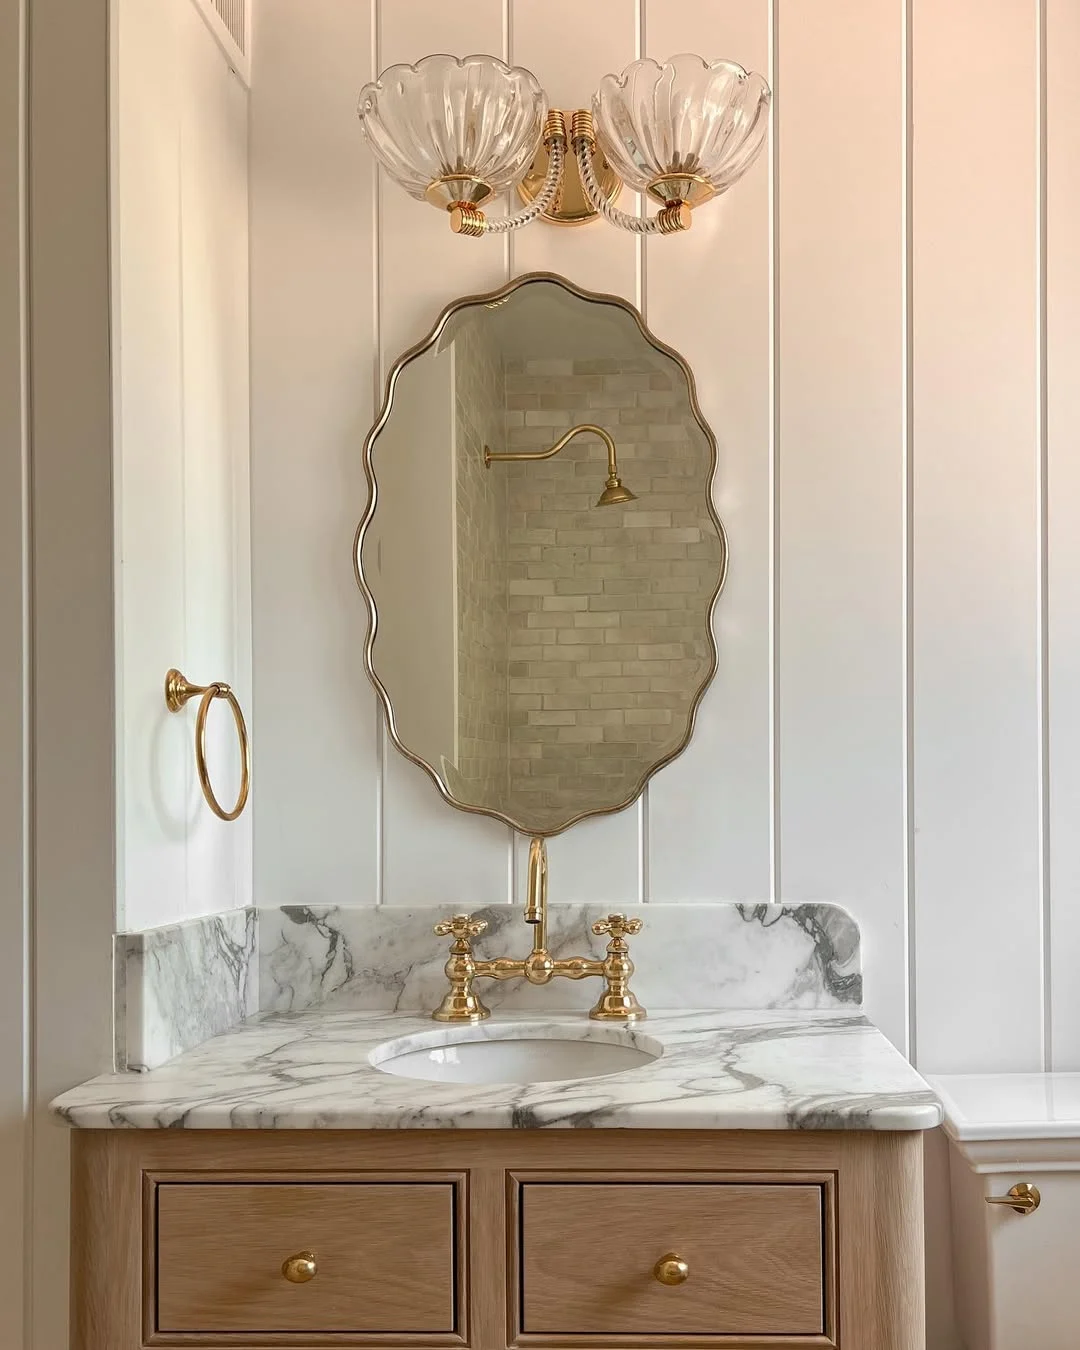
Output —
(491, 299)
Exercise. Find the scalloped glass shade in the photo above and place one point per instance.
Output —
(454, 130)
(685, 130)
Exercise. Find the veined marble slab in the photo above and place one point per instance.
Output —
(733, 1070)
(178, 986)
(687, 956)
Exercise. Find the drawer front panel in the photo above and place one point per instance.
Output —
(384, 1257)
(753, 1254)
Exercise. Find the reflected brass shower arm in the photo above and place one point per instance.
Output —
(613, 494)
(491, 455)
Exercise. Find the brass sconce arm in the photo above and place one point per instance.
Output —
(467, 219)
(613, 492)
(617, 1002)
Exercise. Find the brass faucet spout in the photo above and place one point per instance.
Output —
(536, 900)
(615, 1004)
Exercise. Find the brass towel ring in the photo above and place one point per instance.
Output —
(178, 691)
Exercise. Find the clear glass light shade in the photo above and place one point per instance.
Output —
(454, 130)
(682, 131)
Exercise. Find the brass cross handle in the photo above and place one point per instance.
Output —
(617, 925)
(460, 927)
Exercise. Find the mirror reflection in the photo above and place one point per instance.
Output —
(541, 556)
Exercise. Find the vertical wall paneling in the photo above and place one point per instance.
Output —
(840, 475)
(155, 789)
(213, 150)
(570, 47)
(15, 1143)
(431, 853)
(708, 295)
(313, 358)
(976, 511)
(74, 859)
(1062, 297)
(180, 340)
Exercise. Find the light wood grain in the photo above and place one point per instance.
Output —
(754, 1252)
(106, 1237)
(870, 1257)
(342, 1154)
(385, 1257)
(882, 1305)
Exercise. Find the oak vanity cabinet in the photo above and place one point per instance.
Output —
(496, 1238)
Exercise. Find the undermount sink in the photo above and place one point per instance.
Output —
(515, 1054)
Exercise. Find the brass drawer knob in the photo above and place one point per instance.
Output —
(300, 1268)
(671, 1269)
(1024, 1198)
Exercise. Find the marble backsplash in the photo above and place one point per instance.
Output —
(687, 956)
(178, 986)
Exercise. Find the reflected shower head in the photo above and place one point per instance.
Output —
(614, 493)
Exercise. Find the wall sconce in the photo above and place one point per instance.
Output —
(456, 132)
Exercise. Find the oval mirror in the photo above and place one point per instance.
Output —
(540, 554)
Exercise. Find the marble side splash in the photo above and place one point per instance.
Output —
(178, 986)
(688, 956)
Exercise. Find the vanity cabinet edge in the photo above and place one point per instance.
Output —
(879, 1202)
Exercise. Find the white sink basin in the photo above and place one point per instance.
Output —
(515, 1054)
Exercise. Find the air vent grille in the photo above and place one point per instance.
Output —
(230, 23)
(233, 14)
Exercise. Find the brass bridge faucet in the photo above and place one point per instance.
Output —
(617, 1002)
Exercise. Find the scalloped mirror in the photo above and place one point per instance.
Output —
(540, 554)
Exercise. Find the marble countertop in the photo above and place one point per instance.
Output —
(731, 1070)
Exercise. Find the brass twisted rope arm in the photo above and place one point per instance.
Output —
(178, 691)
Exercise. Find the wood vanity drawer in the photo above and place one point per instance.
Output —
(755, 1254)
(384, 1256)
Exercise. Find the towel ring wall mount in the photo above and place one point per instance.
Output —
(178, 692)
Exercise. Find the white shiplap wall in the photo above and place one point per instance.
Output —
(884, 321)
(179, 209)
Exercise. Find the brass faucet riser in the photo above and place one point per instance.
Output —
(616, 1004)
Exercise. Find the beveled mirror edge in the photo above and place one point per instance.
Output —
(489, 297)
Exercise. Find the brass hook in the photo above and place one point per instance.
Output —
(178, 691)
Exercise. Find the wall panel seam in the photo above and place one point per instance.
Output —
(642, 249)
(377, 378)
(775, 878)
(24, 825)
(189, 774)
(508, 273)
(1043, 561)
(909, 537)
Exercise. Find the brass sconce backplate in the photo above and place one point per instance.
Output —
(571, 206)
